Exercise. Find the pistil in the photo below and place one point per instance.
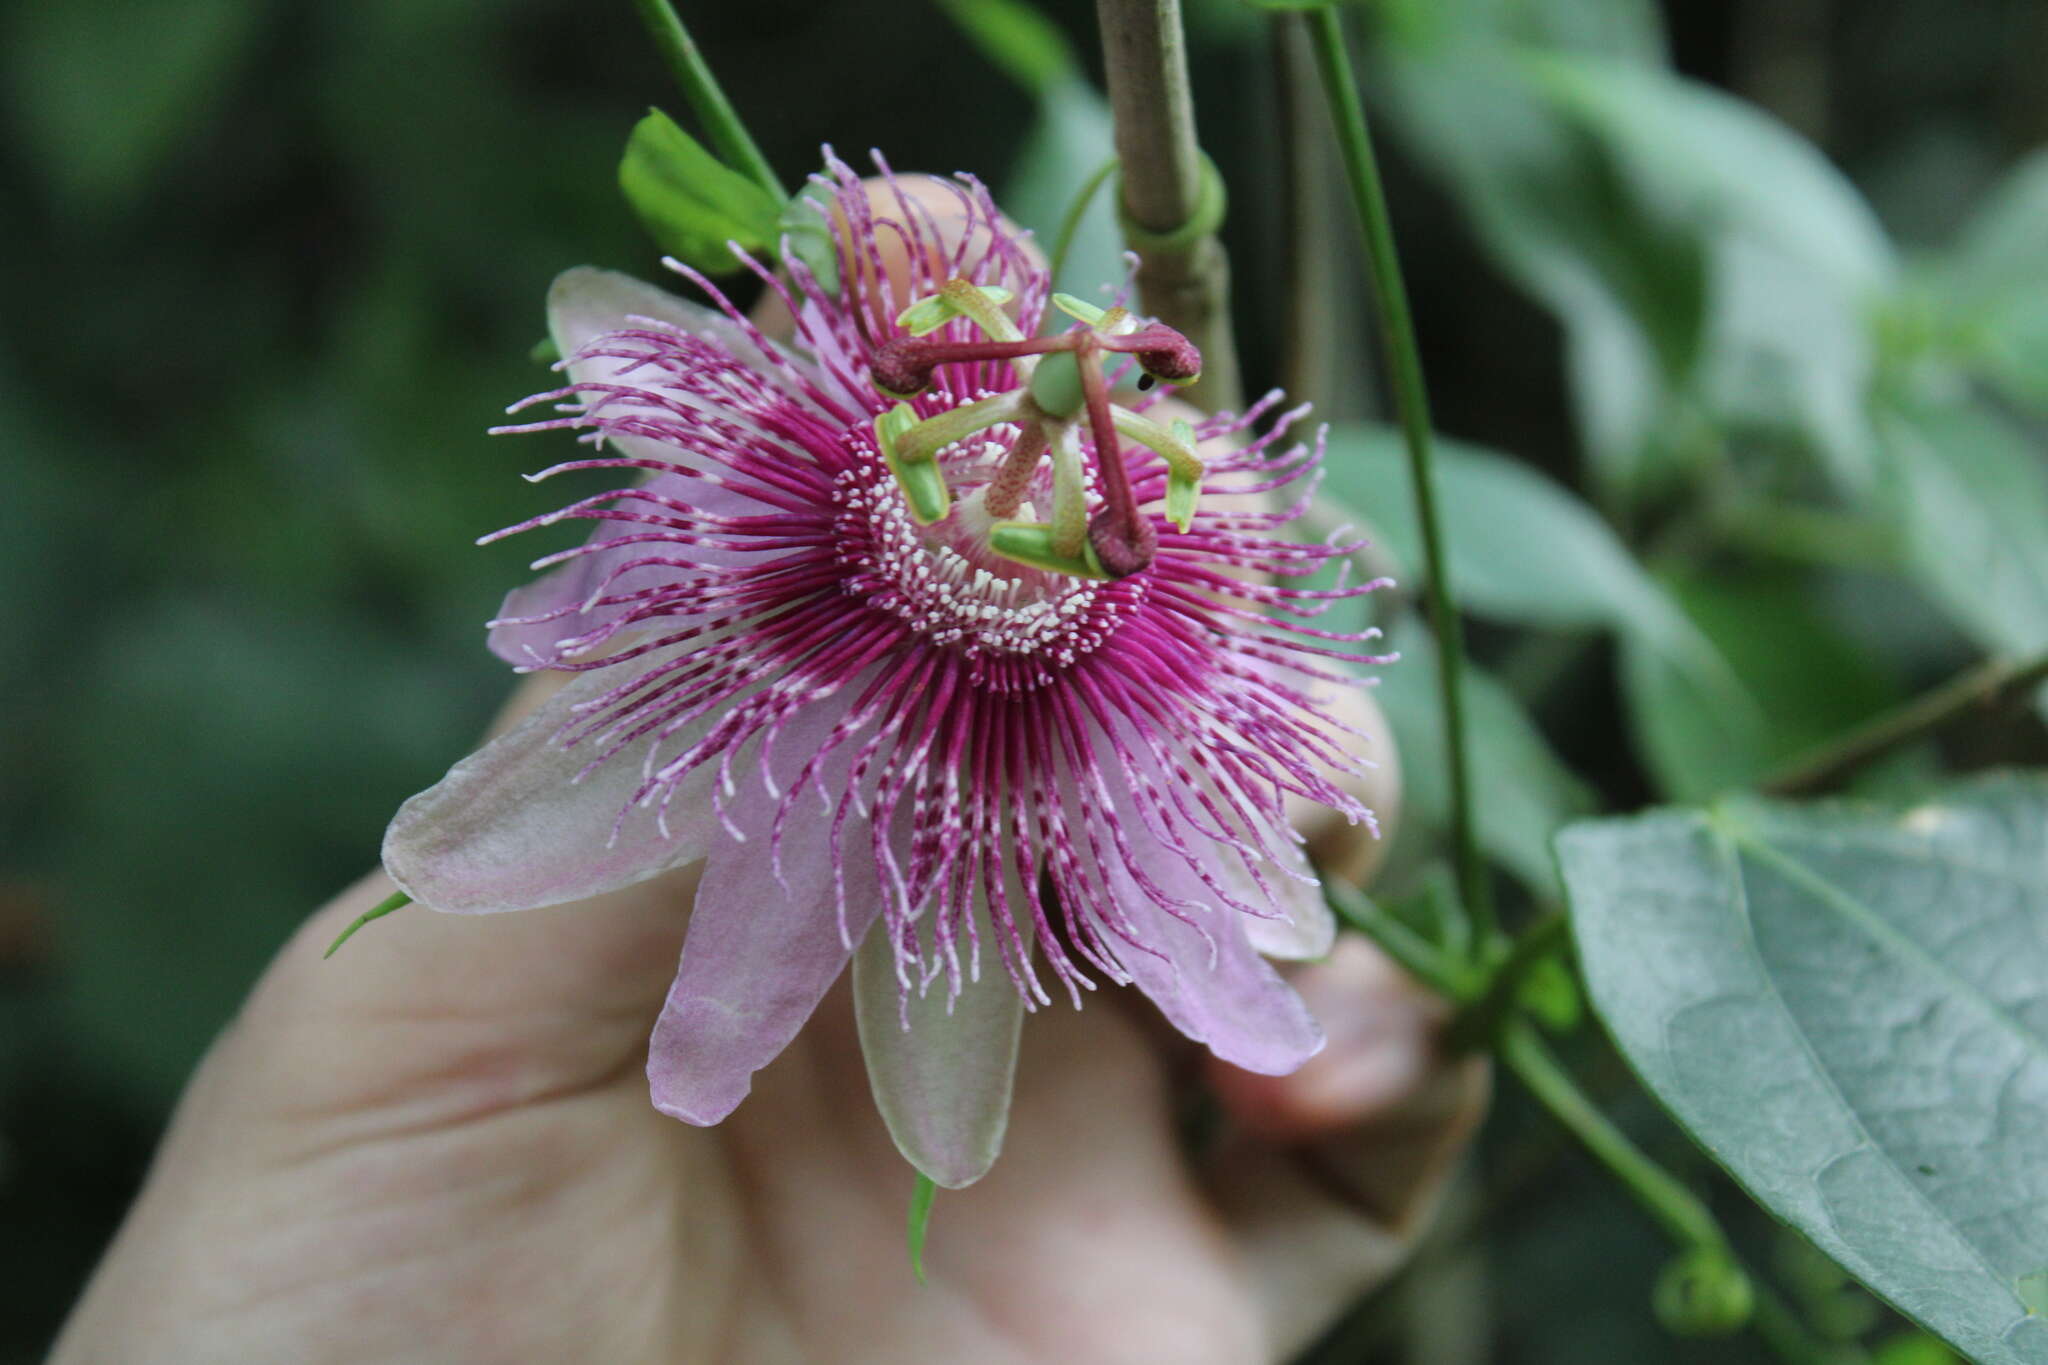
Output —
(1063, 380)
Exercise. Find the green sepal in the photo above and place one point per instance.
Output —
(1056, 384)
(928, 315)
(920, 1221)
(397, 900)
(691, 203)
(923, 483)
(1030, 542)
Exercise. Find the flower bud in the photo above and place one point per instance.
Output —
(1703, 1294)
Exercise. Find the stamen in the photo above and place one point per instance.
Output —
(1162, 353)
(1033, 543)
(1176, 446)
(919, 476)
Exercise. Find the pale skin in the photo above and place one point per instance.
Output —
(438, 1147)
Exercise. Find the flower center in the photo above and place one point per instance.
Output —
(1019, 624)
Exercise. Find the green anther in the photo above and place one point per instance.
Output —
(924, 440)
(1078, 310)
(1175, 445)
(1056, 384)
(1032, 542)
(928, 315)
(1181, 497)
(923, 483)
(924, 488)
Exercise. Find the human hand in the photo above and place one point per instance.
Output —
(438, 1147)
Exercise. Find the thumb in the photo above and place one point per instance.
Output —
(444, 1016)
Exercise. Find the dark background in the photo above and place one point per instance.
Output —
(271, 268)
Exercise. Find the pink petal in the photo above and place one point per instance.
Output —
(510, 827)
(943, 1084)
(1237, 1005)
(760, 954)
(1307, 929)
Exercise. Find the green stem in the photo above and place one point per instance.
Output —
(1411, 401)
(1984, 686)
(1416, 955)
(1170, 199)
(1673, 1207)
(1669, 1203)
(1479, 1022)
(729, 136)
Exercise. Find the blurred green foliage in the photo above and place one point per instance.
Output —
(1740, 316)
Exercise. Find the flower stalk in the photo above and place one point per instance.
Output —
(1170, 198)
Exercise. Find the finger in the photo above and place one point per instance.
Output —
(1327, 1177)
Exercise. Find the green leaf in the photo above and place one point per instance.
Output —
(1787, 350)
(1990, 291)
(1795, 255)
(1627, 279)
(1525, 793)
(1711, 270)
(1847, 1007)
(1719, 160)
(689, 202)
(2004, 246)
(1521, 547)
(1970, 497)
(1070, 138)
(1809, 681)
